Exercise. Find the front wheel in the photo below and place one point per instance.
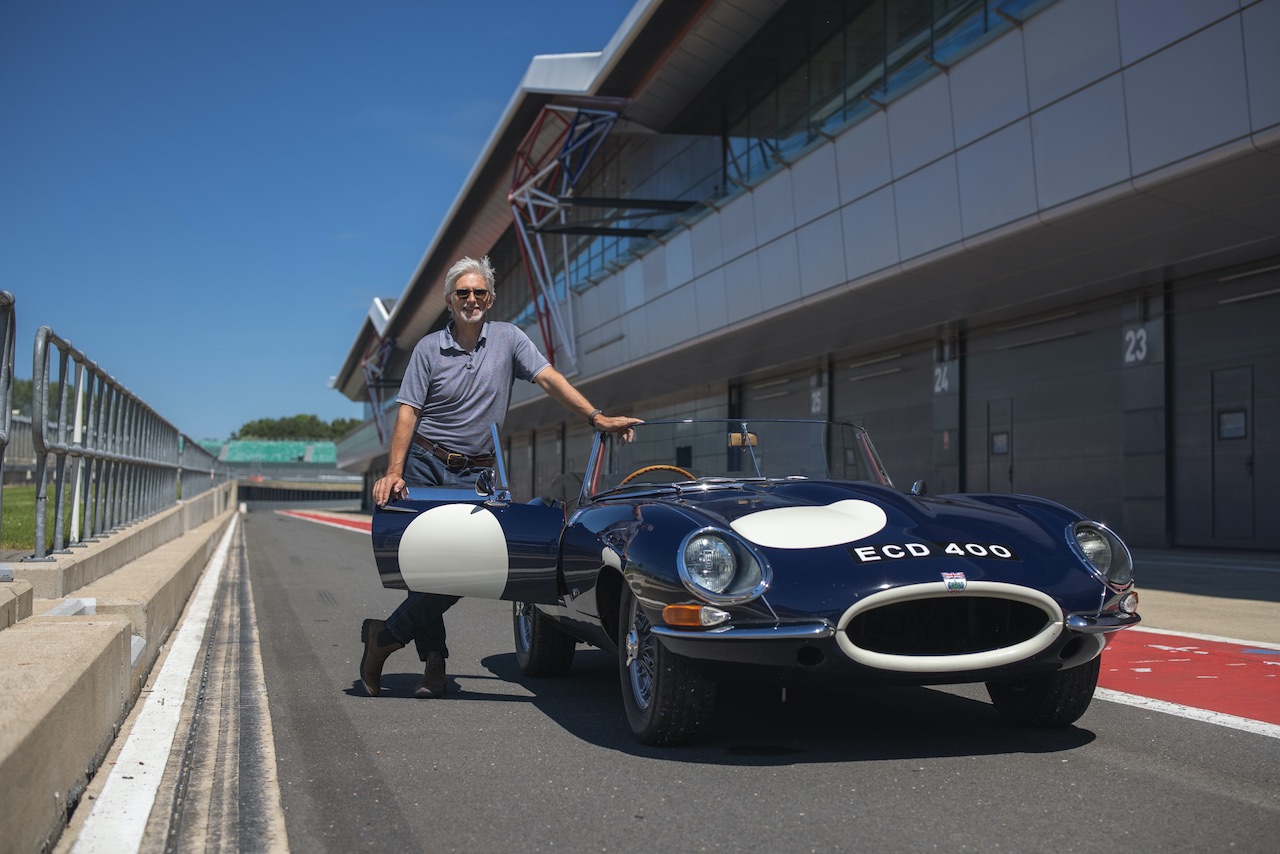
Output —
(1053, 700)
(667, 701)
(542, 649)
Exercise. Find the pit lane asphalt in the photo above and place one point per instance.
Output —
(507, 762)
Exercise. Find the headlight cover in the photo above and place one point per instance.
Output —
(1103, 552)
(720, 567)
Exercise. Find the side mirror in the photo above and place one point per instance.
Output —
(919, 488)
(494, 494)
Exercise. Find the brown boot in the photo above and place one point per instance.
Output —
(433, 684)
(378, 644)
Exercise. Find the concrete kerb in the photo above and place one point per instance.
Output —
(68, 682)
(15, 602)
(66, 690)
(63, 574)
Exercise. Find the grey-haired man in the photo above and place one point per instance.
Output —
(458, 382)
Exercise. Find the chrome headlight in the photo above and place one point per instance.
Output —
(719, 567)
(1104, 553)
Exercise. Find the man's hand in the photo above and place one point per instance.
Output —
(553, 383)
(620, 424)
(387, 488)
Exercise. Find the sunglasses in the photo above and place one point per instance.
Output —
(464, 293)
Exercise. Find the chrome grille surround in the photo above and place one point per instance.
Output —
(1018, 649)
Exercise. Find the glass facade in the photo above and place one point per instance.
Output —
(813, 70)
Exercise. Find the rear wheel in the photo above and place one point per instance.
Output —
(1053, 700)
(667, 701)
(542, 649)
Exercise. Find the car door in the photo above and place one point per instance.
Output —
(460, 543)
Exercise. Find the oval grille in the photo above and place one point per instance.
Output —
(947, 625)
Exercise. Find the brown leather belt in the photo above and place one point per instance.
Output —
(452, 459)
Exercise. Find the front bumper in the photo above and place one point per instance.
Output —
(1101, 623)
(975, 647)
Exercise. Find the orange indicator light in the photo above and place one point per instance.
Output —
(683, 615)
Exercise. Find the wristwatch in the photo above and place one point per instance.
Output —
(591, 419)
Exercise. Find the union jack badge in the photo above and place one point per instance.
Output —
(955, 581)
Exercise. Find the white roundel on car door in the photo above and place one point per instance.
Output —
(812, 527)
(457, 549)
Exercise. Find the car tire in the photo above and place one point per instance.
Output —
(667, 701)
(542, 649)
(1053, 700)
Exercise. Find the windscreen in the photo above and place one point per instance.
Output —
(666, 452)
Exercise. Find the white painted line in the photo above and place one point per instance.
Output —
(120, 813)
(1193, 635)
(1202, 715)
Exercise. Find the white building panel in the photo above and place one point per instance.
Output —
(654, 263)
(997, 179)
(779, 272)
(707, 247)
(813, 185)
(1187, 99)
(1262, 62)
(679, 259)
(928, 206)
(635, 330)
(632, 287)
(862, 158)
(710, 302)
(1081, 143)
(870, 234)
(738, 226)
(607, 299)
(594, 346)
(820, 246)
(920, 127)
(587, 311)
(671, 318)
(989, 89)
(774, 209)
(1068, 47)
(742, 287)
(1147, 26)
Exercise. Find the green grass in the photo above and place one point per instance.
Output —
(18, 526)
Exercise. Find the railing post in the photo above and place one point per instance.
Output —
(7, 327)
(126, 462)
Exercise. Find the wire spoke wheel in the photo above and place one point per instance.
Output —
(666, 699)
(542, 648)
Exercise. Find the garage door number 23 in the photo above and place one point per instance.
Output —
(1135, 346)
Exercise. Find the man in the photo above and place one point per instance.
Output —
(457, 384)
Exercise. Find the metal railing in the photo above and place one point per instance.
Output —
(8, 327)
(115, 461)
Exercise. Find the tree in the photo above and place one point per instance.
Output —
(296, 428)
(20, 401)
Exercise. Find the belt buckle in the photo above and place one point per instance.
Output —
(449, 460)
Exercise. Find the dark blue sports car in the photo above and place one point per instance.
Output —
(779, 552)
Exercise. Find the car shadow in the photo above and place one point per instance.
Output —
(753, 727)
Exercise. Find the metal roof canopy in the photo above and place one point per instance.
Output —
(660, 56)
(1181, 222)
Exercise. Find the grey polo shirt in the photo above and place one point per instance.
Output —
(460, 394)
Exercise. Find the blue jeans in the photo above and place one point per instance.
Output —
(420, 617)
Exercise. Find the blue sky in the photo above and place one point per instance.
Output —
(204, 197)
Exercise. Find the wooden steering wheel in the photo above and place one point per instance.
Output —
(688, 474)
